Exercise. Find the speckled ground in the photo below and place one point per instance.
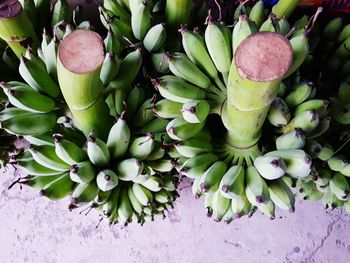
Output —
(34, 229)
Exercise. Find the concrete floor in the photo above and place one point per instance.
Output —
(34, 229)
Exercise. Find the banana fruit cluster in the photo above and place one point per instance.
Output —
(127, 177)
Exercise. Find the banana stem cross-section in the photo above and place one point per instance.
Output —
(257, 70)
(16, 28)
(80, 58)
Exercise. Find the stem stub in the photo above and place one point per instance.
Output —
(82, 51)
(264, 57)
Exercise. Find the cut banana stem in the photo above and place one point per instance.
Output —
(16, 28)
(80, 58)
(260, 62)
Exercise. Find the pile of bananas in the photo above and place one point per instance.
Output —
(248, 144)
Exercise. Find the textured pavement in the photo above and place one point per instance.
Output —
(34, 229)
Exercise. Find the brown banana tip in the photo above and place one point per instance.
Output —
(183, 28)
(57, 138)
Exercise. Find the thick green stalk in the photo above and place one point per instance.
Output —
(80, 59)
(178, 12)
(16, 28)
(260, 62)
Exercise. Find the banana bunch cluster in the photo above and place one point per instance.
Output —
(127, 177)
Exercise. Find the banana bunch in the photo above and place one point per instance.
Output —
(128, 177)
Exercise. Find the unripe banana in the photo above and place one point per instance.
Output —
(218, 45)
(111, 205)
(344, 34)
(193, 146)
(157, 153)
(183, 68)
(307, 121)
(291, 140)
(176, 89)
(97, 151)
(129, 169)
(101, 199)
(68, 151)
(210, 180)
(284, 26)
(145, 113)
(24, 97)
(194, 46)
(129, 68)
(199, 160)
(50, 55)
(141, 147)
(38, 182)
(220, 205)
(270, 167)
(300, 46)
(111, 43)
(323, 177)
(157, 125)
(321, 106)
(118, 138)
(332, 29)
(141, 20)
(106, 180)
(339, 186)
(125, 210)
(281, 195)
(337, 163)
(61, 12)
(298, 163)
(134, 100)
(59, 188)
(232, 183)
(167, 109)
(243, 28)
(195, 111)
(155, 38)
(38, 78)
(256, 189)
(154, 184)
(46, 156)
(136, 205)
(257, 14)
(279, 114)
(117, 9)
(84, 193)
(143, 195)
(270, 25)
(82, 172)
(160, 62)
(33, 168)
(284, 8)
(110, 68)
(300, 93)
(240, 205)
(179, 129)
(325, 153)
(162, 166)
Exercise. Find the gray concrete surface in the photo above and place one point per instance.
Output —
(34, 229)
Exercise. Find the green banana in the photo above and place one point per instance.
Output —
(106, 180)
(37, 77)
(125, 210)
(284, 8)
(281, 195)
(195, 111)
(232, 183)
(129, 169)
(68, 151)
(111, 43)
(179, 129)
(61, 12)
(279, 114)
(220, 205)
(291, 140)
(270, 167)
(240, 205)
(155, 38)
(82, 172)
(145, 113)
(110, 68)
(339, 186)
(84, 193)
(167, 109)
(97, 151)
(154, 183)
(175, 89)
(193, 146)
(58, 188)
(256, 190)
(300, 93)
(257, 14)
(118, 138)
(46, 156)
(210, 180)
(141, 20)
(141, 147)
(242, 29)
(143, 195)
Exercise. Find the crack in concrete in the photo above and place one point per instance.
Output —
(330, 228)
(235, 244)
